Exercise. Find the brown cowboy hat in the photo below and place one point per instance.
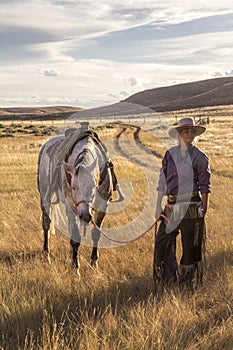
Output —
(185, 123)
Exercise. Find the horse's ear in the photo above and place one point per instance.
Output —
(69, 168)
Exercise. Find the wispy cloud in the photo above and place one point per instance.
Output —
(48, 72)
(88, 52)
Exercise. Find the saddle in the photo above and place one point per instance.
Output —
(62, 149)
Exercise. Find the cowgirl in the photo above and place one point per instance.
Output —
(185, 180)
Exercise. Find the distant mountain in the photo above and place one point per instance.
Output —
(37, 113)
(211, 92)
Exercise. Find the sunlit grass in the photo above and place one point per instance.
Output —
(46, 307)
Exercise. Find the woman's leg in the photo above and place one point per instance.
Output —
(165, 265)
(192, 237)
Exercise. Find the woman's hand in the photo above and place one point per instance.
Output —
(158, 213)
(204, 202)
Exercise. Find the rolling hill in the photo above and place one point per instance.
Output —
(204, 93)
(37, 113)
(211, 92)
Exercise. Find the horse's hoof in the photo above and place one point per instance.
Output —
(75, 268)
(94, 264)
(78, 275)
(46, 257)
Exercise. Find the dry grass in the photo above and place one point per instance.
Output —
(47, 307)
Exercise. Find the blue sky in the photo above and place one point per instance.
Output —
(91, 53)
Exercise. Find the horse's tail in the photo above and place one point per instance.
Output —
(38, 166)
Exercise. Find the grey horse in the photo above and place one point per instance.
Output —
(76, 173)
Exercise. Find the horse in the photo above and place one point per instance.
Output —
(76, 172)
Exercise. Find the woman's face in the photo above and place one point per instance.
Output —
(187, 135)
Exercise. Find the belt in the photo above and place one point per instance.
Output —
(181, 197)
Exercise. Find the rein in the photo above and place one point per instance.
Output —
(134, 239)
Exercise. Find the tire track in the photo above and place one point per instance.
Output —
(142, 145)
(134, 150)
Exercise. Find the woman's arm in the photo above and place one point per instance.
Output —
(158, 209)
(205, 197)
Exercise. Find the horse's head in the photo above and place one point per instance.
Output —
(82, 189)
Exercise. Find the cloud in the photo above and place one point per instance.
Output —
(132, 81)
(100, 52)
(218, 74)
(50, 73)
(152, 41)
(21, 101)
(137, 82)
(124, 94)
(34, 99)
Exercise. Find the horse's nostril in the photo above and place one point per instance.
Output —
(85, 217)
(89, 218)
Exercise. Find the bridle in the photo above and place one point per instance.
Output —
(98, 180)
(76, 204)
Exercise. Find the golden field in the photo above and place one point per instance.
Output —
(46, 306)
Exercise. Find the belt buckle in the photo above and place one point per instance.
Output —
(172, 199)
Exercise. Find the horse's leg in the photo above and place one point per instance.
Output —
(46, 226)
(74, 254)
(75, 239)
(99, 216)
